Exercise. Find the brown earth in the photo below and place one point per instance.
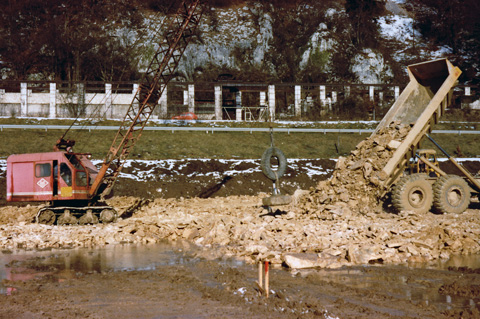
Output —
(229, 221)
(207, 289)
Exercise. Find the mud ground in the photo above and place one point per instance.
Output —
(208, 288)
(199, 287)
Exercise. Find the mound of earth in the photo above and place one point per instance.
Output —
(355, 180)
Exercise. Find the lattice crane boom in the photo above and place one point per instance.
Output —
(161, 70)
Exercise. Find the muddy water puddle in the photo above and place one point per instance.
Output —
(422, 284)
(27, 265)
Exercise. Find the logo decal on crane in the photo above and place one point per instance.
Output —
(42, 183)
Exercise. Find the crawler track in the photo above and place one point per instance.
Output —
(76, 215)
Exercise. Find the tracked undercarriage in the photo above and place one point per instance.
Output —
(76, 215)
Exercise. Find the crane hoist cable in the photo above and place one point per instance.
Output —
(62, 143)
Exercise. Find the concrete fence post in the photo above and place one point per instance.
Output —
(271, 102)
(371, 93)
(323, 95)
(397, 92)
(191, 98)
(135, 98)
(238, 106)
(80, 95)
(52, 111)
(218, 102)
(108, 99)
(185, 97)
(163, 103)
(23, 99)
(334, 97)
(163, 113)
(263, 98)
(298, 100)
(468, 91)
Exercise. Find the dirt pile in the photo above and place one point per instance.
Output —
(239, 226)
(355, 181)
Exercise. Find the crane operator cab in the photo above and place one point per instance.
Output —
(52, 176)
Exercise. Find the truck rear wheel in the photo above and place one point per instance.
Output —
(451, 195)
(413, 193)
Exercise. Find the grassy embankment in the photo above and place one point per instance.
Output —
(168, 145)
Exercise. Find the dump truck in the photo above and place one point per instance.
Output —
(412, 176)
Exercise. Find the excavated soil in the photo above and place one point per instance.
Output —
(221, 214)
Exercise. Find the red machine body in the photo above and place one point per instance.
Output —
(52, 176)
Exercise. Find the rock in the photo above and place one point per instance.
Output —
(190, 233)
(395, 244)
(256, 249)
(367, 169)
(363, 255)
(356, 165)
(469, 246)
(393, 145)
(303, 260)
(298, 195)
(412, 250)
(340, 165)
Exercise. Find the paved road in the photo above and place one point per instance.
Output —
(215, 129)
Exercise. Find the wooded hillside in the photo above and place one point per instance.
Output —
(109, 40)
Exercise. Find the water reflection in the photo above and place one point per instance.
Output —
(418, 287)
(65, 264)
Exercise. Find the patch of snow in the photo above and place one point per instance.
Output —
(442, 52)
(241, 291)
(398, 28)
(475, 105)
(330, 12)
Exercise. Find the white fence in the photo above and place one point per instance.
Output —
(224, 101)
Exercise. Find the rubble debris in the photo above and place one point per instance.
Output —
(355, 180)
(330, 237)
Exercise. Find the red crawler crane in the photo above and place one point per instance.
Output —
(69, 181)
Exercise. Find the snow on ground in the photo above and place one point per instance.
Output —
(176, 166)
(398, 27)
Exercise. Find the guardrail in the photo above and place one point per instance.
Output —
(215, 129)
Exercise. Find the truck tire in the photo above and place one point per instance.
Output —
(451, 195)
(413, 193)
(267, 166)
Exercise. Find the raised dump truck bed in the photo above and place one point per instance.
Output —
(421, 105)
